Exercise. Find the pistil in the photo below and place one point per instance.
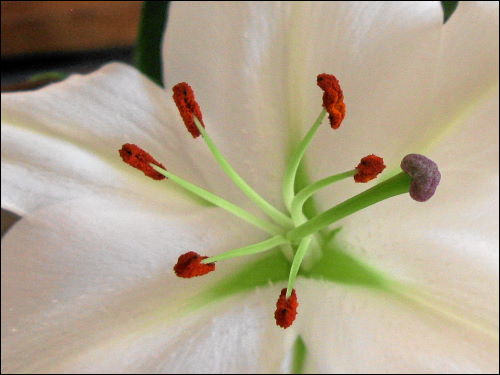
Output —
(368, 168)
(391, 187)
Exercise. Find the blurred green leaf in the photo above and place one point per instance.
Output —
(35, 82)
(52, 76)
(148, 48)
(448, 9)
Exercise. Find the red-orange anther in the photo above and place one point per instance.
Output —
(138, 158)
(333, 98)
(286, 309)
(189, 265)
(188, 107)
(368, 168)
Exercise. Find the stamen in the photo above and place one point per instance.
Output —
(333, 103)
(221, 202)
(391, 187)
(333, 98)
(420, 174)
(297, 261)
(369, 168)
(268, 208)
(425, 176)
(189, 265)
(420, 178)
(286, 309)
(303, 195)
(296, 158)
(255, 248)
(188, 107)
(136, 157)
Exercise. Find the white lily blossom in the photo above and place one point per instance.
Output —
(87, 280)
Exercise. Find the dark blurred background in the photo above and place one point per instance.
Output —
(62, 37)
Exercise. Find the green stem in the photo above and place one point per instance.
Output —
(293, 165)
(268, 209)
(299, 356)
(308, 191)
(222, 203)
(297, 261)
(247, 250)
(391, 187)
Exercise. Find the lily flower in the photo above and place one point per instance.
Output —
(399, 287)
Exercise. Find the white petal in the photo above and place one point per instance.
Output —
(227, 53)
(88, 286)
(448, 245)
(350, 330)
(406, 83)
(254, 67)
(468, 67)
(232, 337)
(62, 142)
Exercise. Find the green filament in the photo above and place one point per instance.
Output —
(299, 218)
(308, 191)
(297, 261)
(293, 165)
(268, 209)
(301, 230)
(259, 247)
(391, 187)
(222, 203)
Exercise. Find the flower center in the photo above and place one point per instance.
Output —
(293, 232)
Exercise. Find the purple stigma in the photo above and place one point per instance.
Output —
(425, 176)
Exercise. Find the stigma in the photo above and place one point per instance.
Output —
(425, 176)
